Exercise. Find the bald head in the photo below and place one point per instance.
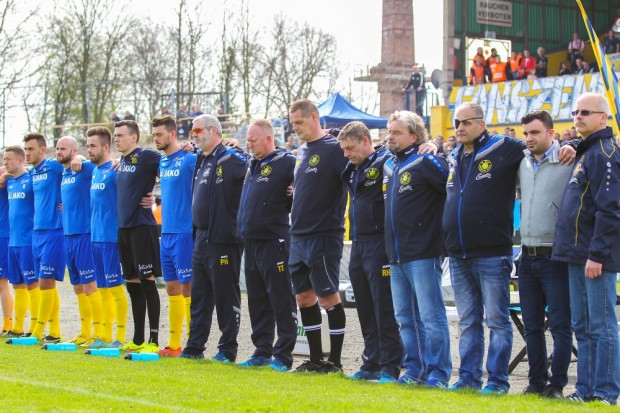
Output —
(66, 149)
(68, 140)
(596, 107)
(260, 138)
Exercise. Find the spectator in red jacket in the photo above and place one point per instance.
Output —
(527, 64)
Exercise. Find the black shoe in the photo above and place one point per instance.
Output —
(51, 340)
(575, 397)
(597, 399)
(553, 393)
(310, 367)
(331, 367)
(532, 390)
(26, 334)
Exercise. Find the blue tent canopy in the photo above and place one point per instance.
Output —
(336, 112)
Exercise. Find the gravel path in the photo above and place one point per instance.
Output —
(353, 344)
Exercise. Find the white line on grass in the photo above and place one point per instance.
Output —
(95, 394)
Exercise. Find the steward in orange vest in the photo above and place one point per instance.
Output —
(476, 73)
(498, 72)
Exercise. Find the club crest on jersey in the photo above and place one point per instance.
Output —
(485, 166)
(134, 159)
(265, 170)
(405, 178)
(224, 260)
(372, 173)
(314, 160)
(218, 171)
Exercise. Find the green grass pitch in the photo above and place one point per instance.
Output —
(36, 380)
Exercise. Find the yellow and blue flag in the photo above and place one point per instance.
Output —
(610, 81)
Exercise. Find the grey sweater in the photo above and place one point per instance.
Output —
(541, 195)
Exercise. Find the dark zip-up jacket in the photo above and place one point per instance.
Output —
(366, 210)
(414, 194)
(265, 205)
(319, 198)
(216, 190)
(588, 225)
(478, 216)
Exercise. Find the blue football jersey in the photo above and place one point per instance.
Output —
(175, 175)
(103, 197)
(46, 180)
(21, 210)
(75, 193)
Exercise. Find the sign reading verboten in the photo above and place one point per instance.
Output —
(494, 12)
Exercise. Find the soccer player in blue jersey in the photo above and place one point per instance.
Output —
(21, 263)
(138, 238)
(75, 193)
(6, 296)
(48, 246)
(104, 237)
(176, 170)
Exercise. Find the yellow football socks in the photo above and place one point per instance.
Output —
(21, 307)
(107, 314)
(55, 315)
(86, 316)
(6, 296)
(176, 317)
(121, 307)
(96, 307)
(46, 305)
(188, 314)
(35, 301)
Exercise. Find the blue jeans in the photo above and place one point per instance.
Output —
(482, 284)
(421, 314)
(543, 282)
(593, 304)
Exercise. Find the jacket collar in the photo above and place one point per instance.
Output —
(405, 153)
(585, 144)
(478, 142)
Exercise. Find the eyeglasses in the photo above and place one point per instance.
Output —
(458, 122)
(584, 112)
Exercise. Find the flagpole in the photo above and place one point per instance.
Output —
(610, 81)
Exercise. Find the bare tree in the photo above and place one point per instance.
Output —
(154, 63)
(86, 59)
(58, 73)
(14, 37)
(228, 63)
(114, 63)
(249, 54)
(301, 57)
(193, 55)
(16, 32)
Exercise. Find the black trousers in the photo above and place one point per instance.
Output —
(215, 284)
(270, 298)
(370, 277)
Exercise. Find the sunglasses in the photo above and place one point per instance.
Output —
(466, 122)
(198, 131)
(584, 112)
